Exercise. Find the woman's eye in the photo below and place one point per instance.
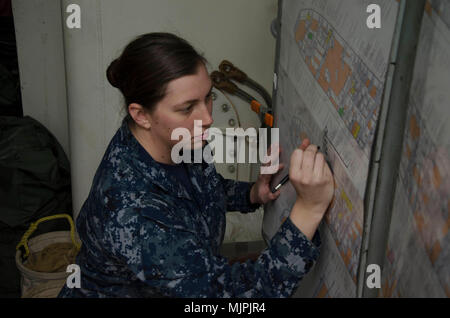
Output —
(188, 109)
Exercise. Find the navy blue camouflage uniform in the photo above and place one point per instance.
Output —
(145, 235)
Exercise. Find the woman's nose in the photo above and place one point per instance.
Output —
(207, 119)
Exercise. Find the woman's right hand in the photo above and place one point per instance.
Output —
(313, 181)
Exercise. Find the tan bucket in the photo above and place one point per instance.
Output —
(39, 284)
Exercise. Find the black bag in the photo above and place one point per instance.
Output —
(34, 182)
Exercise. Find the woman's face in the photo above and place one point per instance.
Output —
(187, 99)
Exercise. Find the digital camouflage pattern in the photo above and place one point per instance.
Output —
(145, 235)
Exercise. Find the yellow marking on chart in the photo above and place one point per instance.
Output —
(353, 89)
(347, 201)
(330, 34)
(356, 129)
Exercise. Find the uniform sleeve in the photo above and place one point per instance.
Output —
(177, 263)
(238, 195)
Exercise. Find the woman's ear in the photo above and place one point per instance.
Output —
(139, 115)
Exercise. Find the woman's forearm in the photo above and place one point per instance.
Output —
(306, 219)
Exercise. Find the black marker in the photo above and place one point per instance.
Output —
(282, 182)
(286, 178)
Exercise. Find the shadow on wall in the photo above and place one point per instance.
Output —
(10, 96)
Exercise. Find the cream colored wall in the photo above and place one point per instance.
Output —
(236, 30)
(39, 34)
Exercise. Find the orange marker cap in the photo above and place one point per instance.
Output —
(268, 120)
(255, 105)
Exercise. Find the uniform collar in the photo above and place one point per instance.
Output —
(157, 172)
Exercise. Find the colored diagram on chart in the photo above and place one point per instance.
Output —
(352, 88)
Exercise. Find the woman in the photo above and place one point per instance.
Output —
(152, 228)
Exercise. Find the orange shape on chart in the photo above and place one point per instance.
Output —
(414, 128)
(354, 235)
(384, 288)
(425, 198)
(310, 66)
(358, 227)
(316, 60)
(347, 257)
(417, 176)
(373, 92)
(388, 288)
(338, 70)
(408, 152)
(446, 226)
(437, 179)
(435, 251)
(428, 8)
(301, 31)
(419, 221)
(368, 83)
(323, 291)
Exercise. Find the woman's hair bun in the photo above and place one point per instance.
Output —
(147, 64)
(112, 74)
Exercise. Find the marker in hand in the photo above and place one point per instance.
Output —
(283, 181)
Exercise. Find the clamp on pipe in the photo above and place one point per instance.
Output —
(234, 73)
(222, 82)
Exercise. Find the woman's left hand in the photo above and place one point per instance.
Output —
(261, 192)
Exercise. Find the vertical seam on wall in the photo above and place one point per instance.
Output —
(64, 44)
(100, 64)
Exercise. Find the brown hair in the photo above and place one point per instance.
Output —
(148, 64)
